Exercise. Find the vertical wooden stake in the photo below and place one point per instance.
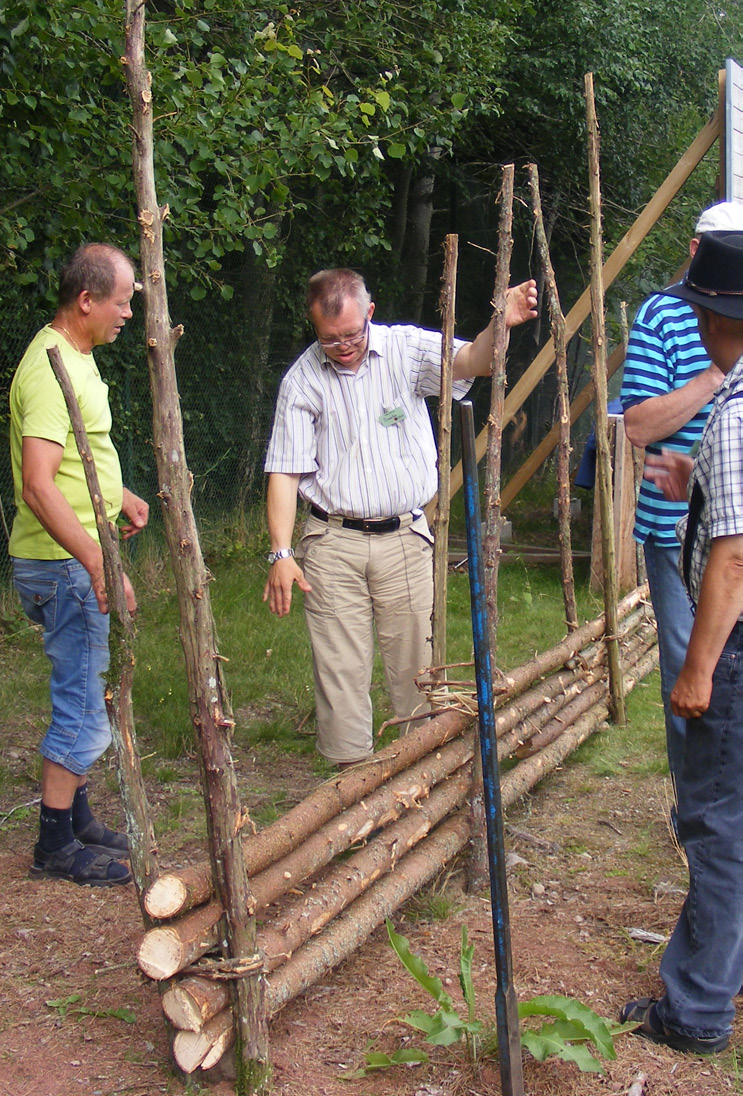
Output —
(603, 459)
(557, 321)
(443, 502)
(208, 697)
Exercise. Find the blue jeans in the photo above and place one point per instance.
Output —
(674, 617)
(58, 595)
(703, 964)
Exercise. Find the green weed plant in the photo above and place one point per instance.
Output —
(71, 1005)
(568, 1035)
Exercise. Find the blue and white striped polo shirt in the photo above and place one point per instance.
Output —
(663, 354)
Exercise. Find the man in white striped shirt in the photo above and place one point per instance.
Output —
(352, 436)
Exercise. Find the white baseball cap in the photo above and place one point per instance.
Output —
(722, 217)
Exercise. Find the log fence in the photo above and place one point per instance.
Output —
(327, 874)
(281, 908)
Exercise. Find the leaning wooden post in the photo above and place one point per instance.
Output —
(121, 667)
(638, 456)
(603, 459)
(491, 543)
(447, 302)
(208, 699)
(557, 323)
(477, 867)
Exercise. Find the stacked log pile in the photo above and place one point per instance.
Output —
(330, 871)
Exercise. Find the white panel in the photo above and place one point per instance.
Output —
(733, 131)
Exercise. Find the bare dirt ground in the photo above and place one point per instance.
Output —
(596, 861)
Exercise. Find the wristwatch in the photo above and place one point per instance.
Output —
(280, 553)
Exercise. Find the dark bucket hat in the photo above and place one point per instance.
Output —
(714, 279)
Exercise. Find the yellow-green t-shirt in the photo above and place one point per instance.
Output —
(38, 410)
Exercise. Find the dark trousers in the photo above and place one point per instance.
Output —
(703, 964)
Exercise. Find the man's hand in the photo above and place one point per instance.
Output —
(691, 694)
(138, 512)
(101, 596)
(670, 473)
(281, 578)
(521, 303)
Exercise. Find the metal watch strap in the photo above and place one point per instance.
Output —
(280, 553)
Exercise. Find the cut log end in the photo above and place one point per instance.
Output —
(194, 1048)
(166, 897)
(160, 954)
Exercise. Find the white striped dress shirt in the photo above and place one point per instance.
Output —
(330, 427)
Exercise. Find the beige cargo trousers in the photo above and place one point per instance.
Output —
(364, 583)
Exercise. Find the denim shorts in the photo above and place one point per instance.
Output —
(58, 594)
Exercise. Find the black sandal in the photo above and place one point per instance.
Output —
(79, 864)
(99, 838)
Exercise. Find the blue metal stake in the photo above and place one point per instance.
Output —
(506, 1004)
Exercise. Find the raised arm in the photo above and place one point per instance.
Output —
(475, 358)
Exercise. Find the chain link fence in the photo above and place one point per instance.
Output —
(229, 363)
(228, 368)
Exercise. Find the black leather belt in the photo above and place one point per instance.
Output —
(361, 525)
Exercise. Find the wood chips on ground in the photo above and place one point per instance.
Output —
(596, 860)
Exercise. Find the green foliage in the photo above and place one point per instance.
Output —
(446, 1026)
(377, 1059)
(64, 1006)
(435, 903)
(566, 1037)
(259, 114)
(575, 1026)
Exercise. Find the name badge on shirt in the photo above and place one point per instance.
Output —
(389, 418)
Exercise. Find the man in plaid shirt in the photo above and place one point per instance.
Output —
(702, 967)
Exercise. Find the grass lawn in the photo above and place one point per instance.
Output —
(269, 670)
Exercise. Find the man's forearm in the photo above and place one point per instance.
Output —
(720, 601)
(475, 359)
(281, 508)
(54, 513)
(659, 417)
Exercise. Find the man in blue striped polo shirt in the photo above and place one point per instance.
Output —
(352, 436)
(667, 387)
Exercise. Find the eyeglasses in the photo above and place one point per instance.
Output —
(350, 340)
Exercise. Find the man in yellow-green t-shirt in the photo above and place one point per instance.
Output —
(57, 559)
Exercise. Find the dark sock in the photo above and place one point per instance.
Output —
(81, 812)
(55, 828)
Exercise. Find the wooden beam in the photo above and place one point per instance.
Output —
(539, 455)
(613, 266)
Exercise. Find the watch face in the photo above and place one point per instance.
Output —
(283, 553)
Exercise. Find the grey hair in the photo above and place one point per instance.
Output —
(330, 289)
